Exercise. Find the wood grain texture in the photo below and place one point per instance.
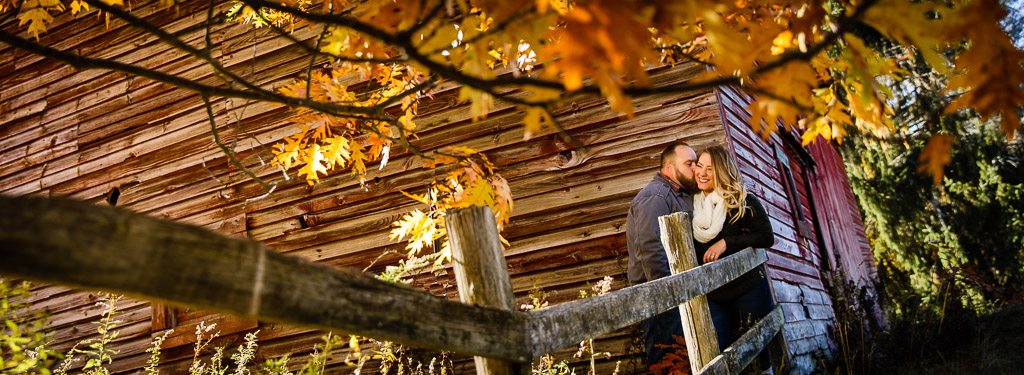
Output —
(482, 276)
(79, 133)
(569, 323)
(81, 244)
(738, 356)
(701, 337)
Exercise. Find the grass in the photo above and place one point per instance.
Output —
(946, 337)
(214, 356)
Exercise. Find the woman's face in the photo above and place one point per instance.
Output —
(705, 173)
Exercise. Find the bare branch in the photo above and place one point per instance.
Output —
(267, 194)
(561, 131)
(87, 63)
(301, 44)
(209, 25)
(500, 26)
(679, 50)
(230, 154)
(312, 60)
(214, 177)
(426, 17)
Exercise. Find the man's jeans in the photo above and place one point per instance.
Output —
(659, 329)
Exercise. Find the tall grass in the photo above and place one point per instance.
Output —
(213, 356)
(945, 337)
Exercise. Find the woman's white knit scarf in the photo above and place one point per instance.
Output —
(708, 215)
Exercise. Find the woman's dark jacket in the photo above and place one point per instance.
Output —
(753, 229)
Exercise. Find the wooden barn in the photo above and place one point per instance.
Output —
(92, 134)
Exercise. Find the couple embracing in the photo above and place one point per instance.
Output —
(726, 219)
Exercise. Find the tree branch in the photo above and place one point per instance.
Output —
(561, 131)
(298, 43)
(678, 49)
(427, 16)
(312, 60)
(230, 154)
(87, 63)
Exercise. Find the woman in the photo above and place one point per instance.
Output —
(726, 219)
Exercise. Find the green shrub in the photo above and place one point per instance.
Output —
(24, 338)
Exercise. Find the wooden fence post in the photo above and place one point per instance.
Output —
(481, 273)
(701, 339)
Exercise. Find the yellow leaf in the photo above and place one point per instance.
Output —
(419, 227)
(463, 150)
(913, 24)
(764, 111)
(37, 18)
(782, 42)
(336, 42)
(935, 156)
(314, 164)
(990, 69)
(288, 152)
(532, 121)
(418, 198)
(339, 93)
(480, 103)
(336, 151)
(407, 224)
(77, 6)
(358, 161)
(406, 122)
(503, 203)
(445, 255)
(443, 38)
(543, 95)
(479, 193)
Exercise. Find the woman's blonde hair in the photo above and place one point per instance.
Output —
(728, 181)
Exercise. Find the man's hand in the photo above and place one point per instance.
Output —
(714, 251)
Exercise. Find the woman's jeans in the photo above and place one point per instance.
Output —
(733, 317)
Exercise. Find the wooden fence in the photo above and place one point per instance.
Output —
(97, 247)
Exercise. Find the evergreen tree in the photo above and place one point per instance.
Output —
(967, 232)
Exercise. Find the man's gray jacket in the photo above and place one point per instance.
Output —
(647, 259)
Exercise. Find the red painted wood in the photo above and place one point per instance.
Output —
(838, 210)
(822, 198)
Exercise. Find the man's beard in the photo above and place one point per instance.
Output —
(688, 185)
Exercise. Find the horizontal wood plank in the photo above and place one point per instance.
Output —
(54, 240)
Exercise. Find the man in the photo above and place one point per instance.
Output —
(669, 192)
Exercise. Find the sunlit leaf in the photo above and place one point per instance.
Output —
(935, 156)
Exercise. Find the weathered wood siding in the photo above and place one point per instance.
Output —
(82, 134)
(797, 259)
(846, 241)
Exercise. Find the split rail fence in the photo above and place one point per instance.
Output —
(84, 245)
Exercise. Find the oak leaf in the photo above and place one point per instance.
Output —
(335, 151)
(314, 160)
(37, 19)
(358, 161)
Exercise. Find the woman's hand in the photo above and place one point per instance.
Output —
(715, 251)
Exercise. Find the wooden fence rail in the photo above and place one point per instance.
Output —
(97, 247)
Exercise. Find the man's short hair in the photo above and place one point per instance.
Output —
(670, 150)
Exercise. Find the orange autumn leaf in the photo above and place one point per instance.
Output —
(935, 156)
(990, 71)
(356, 101)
